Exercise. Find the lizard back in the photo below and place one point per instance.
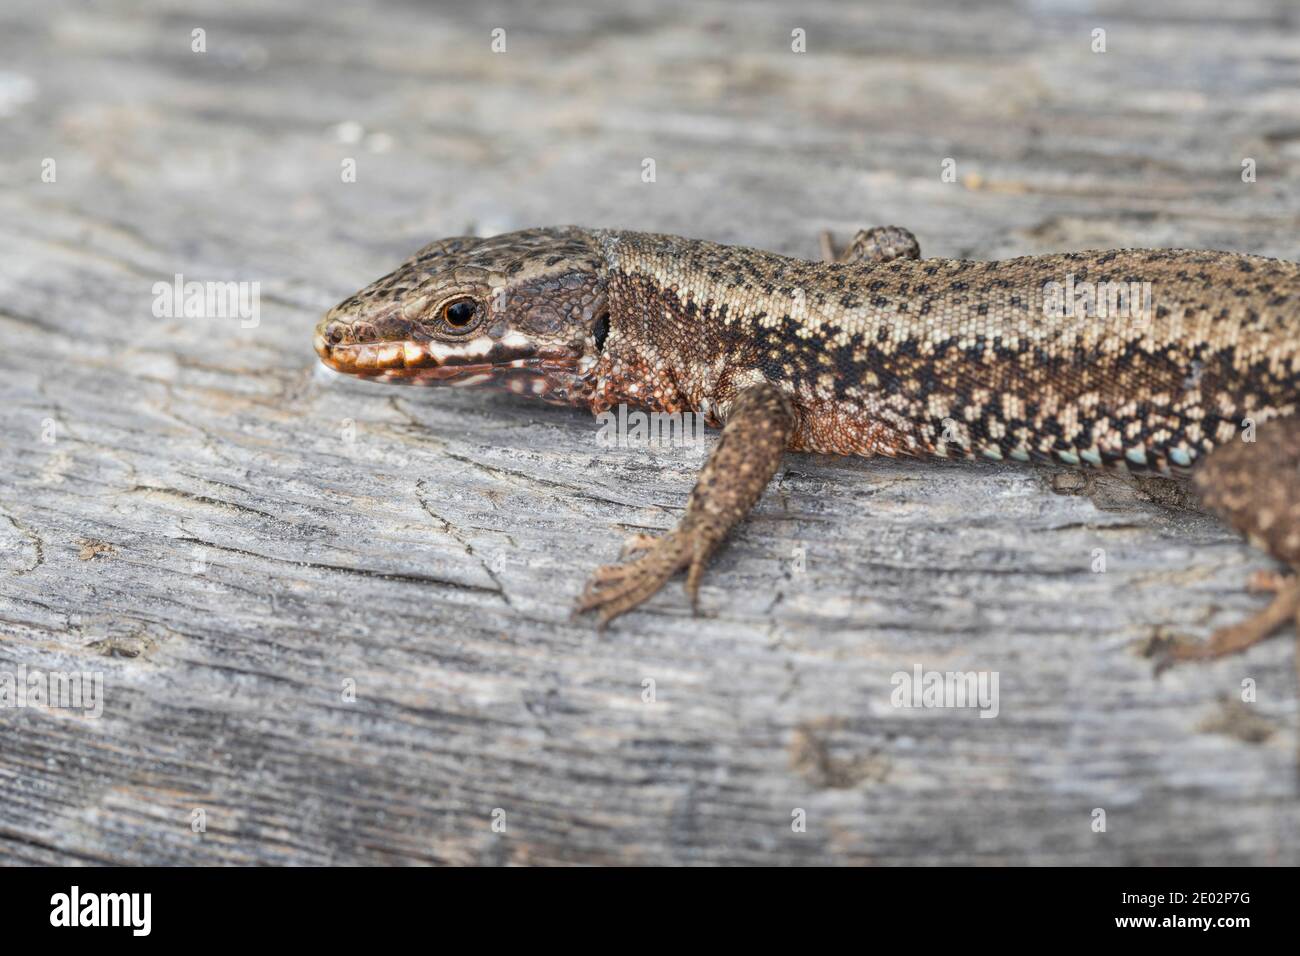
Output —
(1143, 359)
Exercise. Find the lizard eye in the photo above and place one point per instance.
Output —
(459, 314)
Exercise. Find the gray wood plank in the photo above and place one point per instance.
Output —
(202, 531)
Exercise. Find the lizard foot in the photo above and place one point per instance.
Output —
(880, 244)
(758, 424)
(1251, 484)
(1237, 637)
(615, 589)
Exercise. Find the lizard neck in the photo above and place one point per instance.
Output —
(685, 314)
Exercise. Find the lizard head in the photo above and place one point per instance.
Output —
(525, 311)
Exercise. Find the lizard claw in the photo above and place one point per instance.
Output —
(1237, 637)
(699, 561)
(615, 589)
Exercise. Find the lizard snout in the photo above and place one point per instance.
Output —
(330, 332)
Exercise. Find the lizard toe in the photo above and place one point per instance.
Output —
(615, 589)
(1268, 582)
(1236, 638)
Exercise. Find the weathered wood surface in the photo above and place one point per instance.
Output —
(201, 531)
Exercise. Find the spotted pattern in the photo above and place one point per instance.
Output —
(1252, 484)
(935, 357)
(954, 358)
(929, 357)
(1145, 360)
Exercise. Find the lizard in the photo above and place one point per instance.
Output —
(1179, 363)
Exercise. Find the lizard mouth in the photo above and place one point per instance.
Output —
(520, 367)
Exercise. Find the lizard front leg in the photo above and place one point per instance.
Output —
(879, 244)
(1253, 486)
(757, 429)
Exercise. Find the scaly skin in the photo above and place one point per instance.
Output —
(878, 353)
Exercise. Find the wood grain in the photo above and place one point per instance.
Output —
(232, 537)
